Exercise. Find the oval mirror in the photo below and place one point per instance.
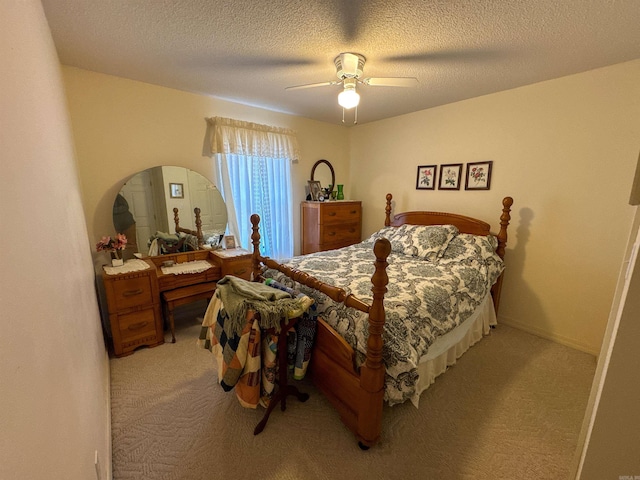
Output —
(143, 209)
(322, 171)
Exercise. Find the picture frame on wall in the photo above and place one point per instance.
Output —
(478, 175)
(426, 177)
(450, 176)
(176, 190)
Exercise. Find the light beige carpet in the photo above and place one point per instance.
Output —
(511, 408)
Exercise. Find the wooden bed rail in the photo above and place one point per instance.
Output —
(334, 293)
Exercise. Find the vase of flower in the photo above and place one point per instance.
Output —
(116, 261)
(114, 246)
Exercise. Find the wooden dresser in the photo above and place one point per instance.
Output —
(133, 301)
(330, 225)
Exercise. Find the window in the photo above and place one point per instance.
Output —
(259, 185)
(253, 170)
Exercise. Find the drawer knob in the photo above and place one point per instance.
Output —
(240, 272)
(332, 214)
(331, 234)
(131, 293)
(138, 326)
(352, 230)
(353, 212)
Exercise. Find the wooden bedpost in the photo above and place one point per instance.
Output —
(387, 211)
(176, 219)
(505, 218)
(196, 211)
(373, 371)
(255, 240)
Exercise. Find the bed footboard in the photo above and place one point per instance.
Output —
(357, 395)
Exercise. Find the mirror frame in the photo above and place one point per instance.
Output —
(333, 174)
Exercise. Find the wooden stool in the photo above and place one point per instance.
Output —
(181, 296)
(284, 389)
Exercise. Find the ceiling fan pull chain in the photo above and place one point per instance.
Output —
(355, 119)
(342, 114)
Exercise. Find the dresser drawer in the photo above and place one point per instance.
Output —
(332, 213)
(137, 327)
(238, 267)
(340, 233)
(132, 292)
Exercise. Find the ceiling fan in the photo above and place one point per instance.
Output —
(349, 68)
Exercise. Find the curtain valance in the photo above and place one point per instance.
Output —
(229, 136)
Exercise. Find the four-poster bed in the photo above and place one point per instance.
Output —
(353, 368)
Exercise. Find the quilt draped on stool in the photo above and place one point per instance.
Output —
(244, 342)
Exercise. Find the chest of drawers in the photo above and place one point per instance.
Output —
(330, 225)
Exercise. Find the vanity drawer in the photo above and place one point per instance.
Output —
(137, 325)
(132, 292)
(238, 267)
(235, 261)
(339, 212)
(137, 328)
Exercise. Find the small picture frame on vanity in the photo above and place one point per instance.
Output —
(229, 242)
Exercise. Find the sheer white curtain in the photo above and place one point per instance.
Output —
(253, 170)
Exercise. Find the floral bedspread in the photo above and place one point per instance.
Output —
(428, 295)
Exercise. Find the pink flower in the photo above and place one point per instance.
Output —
(109, 244)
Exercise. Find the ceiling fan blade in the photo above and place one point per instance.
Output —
(390, 81)
(311, 85)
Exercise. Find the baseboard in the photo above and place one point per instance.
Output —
(549, 336)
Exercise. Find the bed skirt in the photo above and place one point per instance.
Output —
(446, 350)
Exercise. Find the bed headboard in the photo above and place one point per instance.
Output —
(463, 223)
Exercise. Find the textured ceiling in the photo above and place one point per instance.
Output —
(249, 51)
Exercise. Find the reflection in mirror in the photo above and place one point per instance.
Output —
(322, 171)
(143, 209)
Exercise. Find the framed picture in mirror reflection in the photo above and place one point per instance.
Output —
(176, 190)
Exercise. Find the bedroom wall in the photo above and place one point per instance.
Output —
(122, 126)
(54, 371)
(565, 150)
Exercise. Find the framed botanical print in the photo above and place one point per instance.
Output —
(478, 176)
(450, 176)
(426, 179)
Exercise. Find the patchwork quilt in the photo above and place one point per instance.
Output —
(247, 359)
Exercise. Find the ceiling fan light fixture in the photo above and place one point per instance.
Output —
(349, 98)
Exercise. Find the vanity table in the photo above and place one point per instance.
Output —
(141, 302)
(136, 300)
